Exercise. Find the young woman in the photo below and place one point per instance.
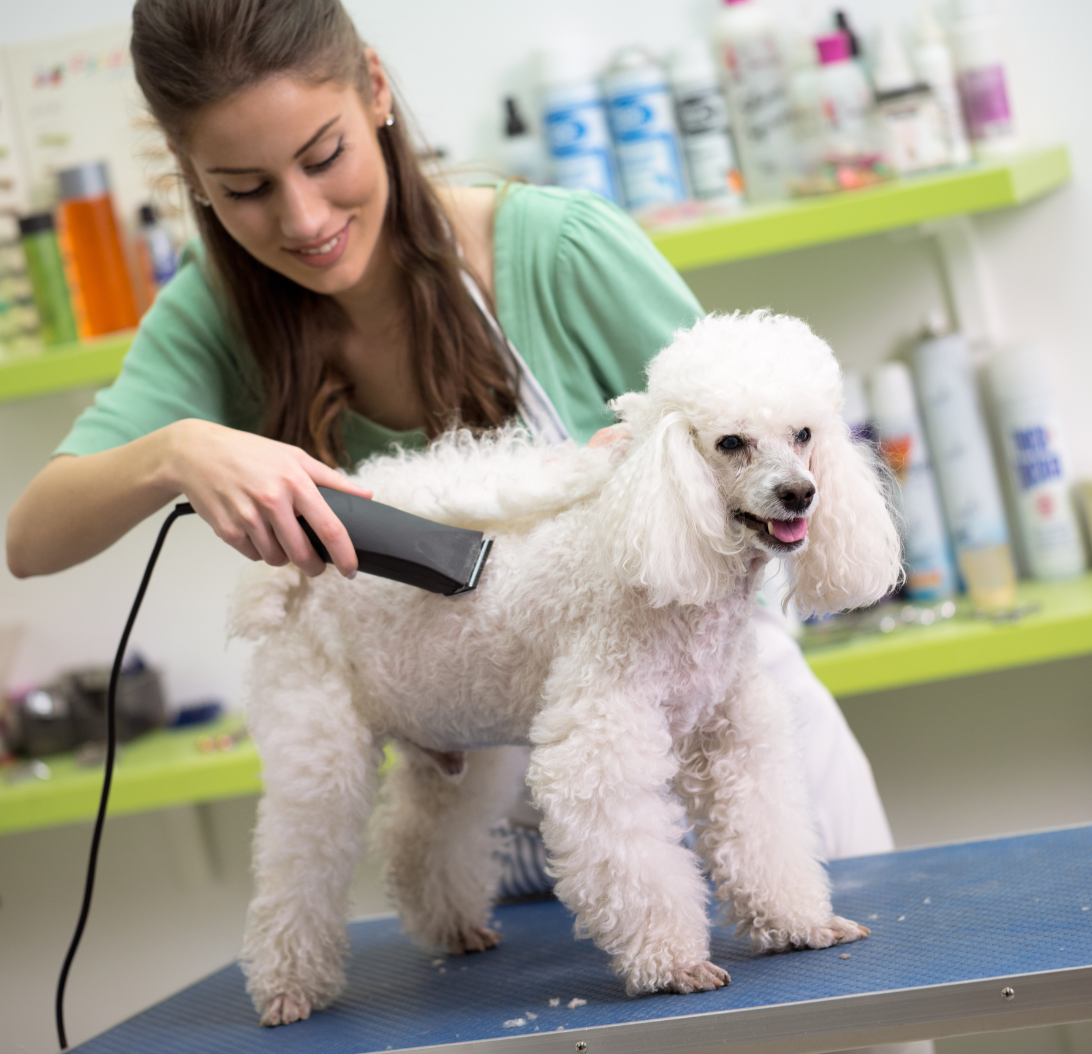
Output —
(338, 302)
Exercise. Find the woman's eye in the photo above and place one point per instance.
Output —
(322, 166)
(803, 435)
(237, 195)
(729, 443)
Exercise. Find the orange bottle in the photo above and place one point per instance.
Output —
(98, 276)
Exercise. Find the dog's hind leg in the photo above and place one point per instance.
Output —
(741, 779)
(319, 766)
(433, 829)
(600, 773)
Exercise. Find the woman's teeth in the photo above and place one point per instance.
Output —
(325, 247)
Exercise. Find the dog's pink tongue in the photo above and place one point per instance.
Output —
(789, 531)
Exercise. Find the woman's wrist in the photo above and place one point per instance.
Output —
(168, 457)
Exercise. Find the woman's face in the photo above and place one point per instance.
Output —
(296, 176)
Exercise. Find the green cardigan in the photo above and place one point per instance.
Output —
(581, 293)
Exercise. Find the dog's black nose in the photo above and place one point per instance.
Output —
(796, 497)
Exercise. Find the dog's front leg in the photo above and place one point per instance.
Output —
(319, 766)
(600, 772)
(740, 776)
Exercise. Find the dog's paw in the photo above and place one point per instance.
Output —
(284, 1009)
(834, 931)
(473, 939)
(697, 977)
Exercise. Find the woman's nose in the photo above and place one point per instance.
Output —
(304, 210)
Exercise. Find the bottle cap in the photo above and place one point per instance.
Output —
(148, 218)
(692, 62)
(35, 224)
(841, 21)
(514, 125)
(732, 3)
(834, 47)
(89, 180)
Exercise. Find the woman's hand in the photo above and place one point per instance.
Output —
(250, 490)
(609, 436)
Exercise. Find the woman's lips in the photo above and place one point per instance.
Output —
(326, 253)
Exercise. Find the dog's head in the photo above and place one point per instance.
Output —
(738, 446)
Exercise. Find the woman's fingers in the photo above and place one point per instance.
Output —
(609, 435)
(324, 476)
(330, 530)
(295, 543)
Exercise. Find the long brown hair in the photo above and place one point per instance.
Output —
(190, 53)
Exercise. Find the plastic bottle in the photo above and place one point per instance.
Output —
(855, 411)
(850, 143)
(58, 324)
(87, 231)
(934, 64)
(757, 81)
(1034, 451)
(646, 138)
(574, 121)
(915, 137)
(930, 573)
(524, 156)
(703, 124)
(983, 86)
(19, 326)
(970, 493)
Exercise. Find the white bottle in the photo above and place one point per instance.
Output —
(702, 113)
(846, 102)
(574, 122)
(929, 570)
(983, 85)
(1029, 427)
(935, 67)
(969, 488)
(756, 77)
(855, 411)
(915, 138)
(646, 138)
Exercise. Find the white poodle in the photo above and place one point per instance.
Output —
(611, 632)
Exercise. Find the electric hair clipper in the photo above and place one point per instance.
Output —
(406, 548)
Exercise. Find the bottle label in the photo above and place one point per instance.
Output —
(702, 111)
(647, 147)
(985, 102)
(1035, 460)
(579, 143)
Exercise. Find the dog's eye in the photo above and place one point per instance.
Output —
(729, 443)
(803, 435)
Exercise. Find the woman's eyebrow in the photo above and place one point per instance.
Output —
(302, 150)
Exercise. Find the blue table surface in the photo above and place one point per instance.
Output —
(953, 913)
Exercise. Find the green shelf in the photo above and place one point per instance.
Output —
(166, 768)
(1059, 627)
(777, 228)
(27, 374)
(750, 232)
(156, 771)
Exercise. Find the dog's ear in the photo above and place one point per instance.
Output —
(853, 556)
(661, 518)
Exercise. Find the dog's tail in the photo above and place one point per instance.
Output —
(258, 605)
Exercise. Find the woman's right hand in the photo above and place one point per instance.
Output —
(250, 490)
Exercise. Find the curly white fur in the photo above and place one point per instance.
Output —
(611, 631)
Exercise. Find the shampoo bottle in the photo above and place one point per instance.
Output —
(936, 68)
(703, 124)
(970, 493)
(929, 571)
(642, 124)
(1030, 433)
(983, 85)
(756, 77)
(574, 121)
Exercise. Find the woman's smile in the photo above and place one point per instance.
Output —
(323, 253)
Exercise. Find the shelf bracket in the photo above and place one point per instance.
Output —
(972, 298)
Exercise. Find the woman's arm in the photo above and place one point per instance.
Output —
(248, 488)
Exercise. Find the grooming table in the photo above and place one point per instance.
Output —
(965, 938)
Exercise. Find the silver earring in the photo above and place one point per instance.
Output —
(200, 199)
(390, 119)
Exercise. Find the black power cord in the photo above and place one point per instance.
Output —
(181, 509)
